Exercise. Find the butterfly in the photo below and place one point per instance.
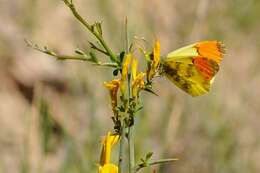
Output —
(193, 68)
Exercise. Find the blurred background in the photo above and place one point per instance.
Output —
(53, 113)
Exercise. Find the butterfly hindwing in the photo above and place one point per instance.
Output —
(186, 77)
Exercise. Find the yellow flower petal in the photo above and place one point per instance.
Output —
(125, 65)
(108, 142)
(134, 67)
(108, 168)
(156, 54)
(124, 74)
(155, 59)
(113, 86)
(138, 83)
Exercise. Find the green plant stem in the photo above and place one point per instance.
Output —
(131, 149)
(130, 137)
(90, 28)
(126, 36)
(121, 148)
(106, 64)
(67, 57)
(156, 162)
(70, 57)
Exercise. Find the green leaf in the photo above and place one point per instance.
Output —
(121, 56)
(142, 160)
(79, 52)
(98, 27)
(138, 109)
(93, 57)
(148, 156)
(150, 91)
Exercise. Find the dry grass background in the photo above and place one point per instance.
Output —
(216, 133)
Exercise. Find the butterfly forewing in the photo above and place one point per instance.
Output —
(207, 67)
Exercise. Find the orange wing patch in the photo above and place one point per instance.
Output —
(207, 67)
(211, 49)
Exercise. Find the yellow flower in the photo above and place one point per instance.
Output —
(137, 78)
(155, 59)
(108, 142)
(108, 168)
(124, 74)
(113, 86)
(134, 67)
(138, 83)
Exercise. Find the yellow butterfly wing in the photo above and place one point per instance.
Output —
(192, 68)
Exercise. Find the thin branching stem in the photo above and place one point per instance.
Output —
(56, 55)
(131, 149)
(93, 46)
(130, 137)
(126, 36)
(67, 57)
(121, 148)
(156, 162)
(112, 56)
(107, 64)
(83, 57)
